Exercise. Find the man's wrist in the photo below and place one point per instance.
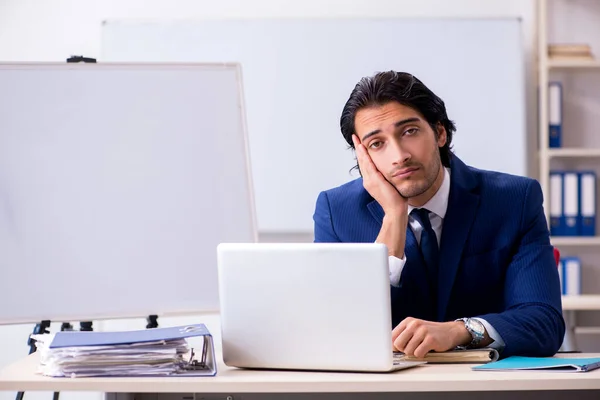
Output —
(461, 334)
(395, 215)
(393, 234)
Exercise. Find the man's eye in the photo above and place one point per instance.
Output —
(374, 144)
(411, 131)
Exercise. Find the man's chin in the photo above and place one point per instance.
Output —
(408, 192)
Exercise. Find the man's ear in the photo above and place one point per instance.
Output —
(441, 134)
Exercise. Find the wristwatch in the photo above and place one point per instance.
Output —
(476, 329)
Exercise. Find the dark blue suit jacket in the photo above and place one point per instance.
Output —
(496, 261)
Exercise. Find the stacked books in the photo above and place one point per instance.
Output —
(571, 51)
(150, 352)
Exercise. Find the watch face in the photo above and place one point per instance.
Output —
(476, 327)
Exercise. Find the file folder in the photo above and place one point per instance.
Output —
(555, 114)
(542, 363)
(587, 197)
(78, 338)
(557, 218)
(83, 347)
(571, 203)
(571, 276)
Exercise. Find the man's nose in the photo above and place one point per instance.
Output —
(401, 155)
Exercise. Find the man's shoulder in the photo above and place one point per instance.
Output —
(502, 182)
(352, 192)
(349, 189)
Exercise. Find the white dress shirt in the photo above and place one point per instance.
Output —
(437, 206)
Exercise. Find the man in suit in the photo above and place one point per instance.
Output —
(470, 257)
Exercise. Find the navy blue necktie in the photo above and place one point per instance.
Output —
(428, 246)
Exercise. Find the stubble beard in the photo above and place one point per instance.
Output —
(416, 188)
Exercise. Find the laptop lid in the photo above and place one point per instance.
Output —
(320, 306)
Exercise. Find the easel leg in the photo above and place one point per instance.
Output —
(86, 326)
(39, 329)
(152, 321)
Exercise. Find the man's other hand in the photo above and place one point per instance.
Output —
(417, 337)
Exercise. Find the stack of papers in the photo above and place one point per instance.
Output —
(150, 352)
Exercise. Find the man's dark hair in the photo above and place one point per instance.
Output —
(406, 89)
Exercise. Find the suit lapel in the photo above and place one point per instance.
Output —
(462, 209)
(376, 211)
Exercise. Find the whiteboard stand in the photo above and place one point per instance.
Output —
(84, 326)
(139, 166)
(39, 329)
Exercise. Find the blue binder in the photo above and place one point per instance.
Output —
(571, 203)
(203, 365)
(587, 203)
(543, 363)
(555, 113)
(76, 338)
(557, 217)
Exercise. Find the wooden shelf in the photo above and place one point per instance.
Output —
(573, 152)
(575, 241)
(581, 302)
(563, 63)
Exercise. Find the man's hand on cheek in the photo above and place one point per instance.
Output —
(375, 183)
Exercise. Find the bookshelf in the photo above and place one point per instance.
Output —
(573, 152)
(584, 155)
(572, 64)
(546, 66)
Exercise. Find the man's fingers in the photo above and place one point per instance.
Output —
(400, 327)
(403, 339)
(415, 341)
(364, 160)
(425, 347)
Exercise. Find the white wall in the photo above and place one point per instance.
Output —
(52, 30)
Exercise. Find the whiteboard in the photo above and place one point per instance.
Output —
(117, 182)
(298, 73)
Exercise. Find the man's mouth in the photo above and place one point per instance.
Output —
(404, 172)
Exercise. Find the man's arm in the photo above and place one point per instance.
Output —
(395, 207)
(324, 231)
(532, 323)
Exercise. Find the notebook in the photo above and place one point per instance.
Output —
(542, 363)
(470, 356)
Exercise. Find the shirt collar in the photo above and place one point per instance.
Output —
(438, 204)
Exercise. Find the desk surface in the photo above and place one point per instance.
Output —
(427, 378)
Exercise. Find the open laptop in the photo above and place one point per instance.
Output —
(306, 306)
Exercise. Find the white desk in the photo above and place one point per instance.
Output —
(428, 379)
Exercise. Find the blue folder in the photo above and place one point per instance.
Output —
(542, 363)
(75, 338)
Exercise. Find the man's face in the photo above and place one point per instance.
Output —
(403, 147)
